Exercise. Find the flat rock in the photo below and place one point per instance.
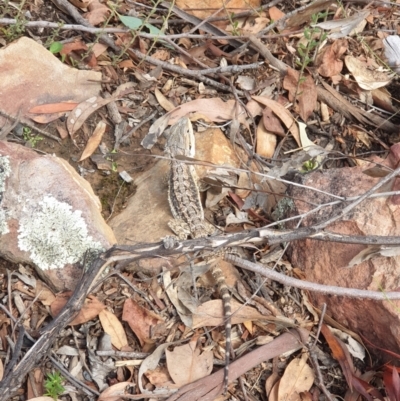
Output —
(49, 215)
(329, 263)
(30, 76)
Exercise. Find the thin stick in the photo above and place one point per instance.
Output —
(309, 286)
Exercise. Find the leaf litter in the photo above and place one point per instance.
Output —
(121, 313)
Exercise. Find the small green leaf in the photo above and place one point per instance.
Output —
(131, 22)
(56, 47)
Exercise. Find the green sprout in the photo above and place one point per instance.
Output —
(31, 139)
(53, 385)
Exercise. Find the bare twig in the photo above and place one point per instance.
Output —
(182, 71)
(309, 286)
(30, 125)
(94, 30)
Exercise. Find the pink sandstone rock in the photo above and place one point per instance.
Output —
(328, 262)
(49, 216)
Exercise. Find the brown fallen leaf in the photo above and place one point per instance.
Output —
(116, 392)
(283, 114)
(340, 353)
(94, 140)
(298, 378)
(98, 12)
(213, 109)
(275, 14)
(367, 78)
(203, 9)
(53, 107)
(113, 327)
(266, 141)
(164, 102)
(303, 90)
(90, 309)
(211, 314)
(140, 320)
(330, 62)
(83, 110)
(186, 364)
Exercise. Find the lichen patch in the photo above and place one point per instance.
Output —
(54, 234)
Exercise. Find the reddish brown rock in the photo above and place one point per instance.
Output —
(49, 215)
(329, 263)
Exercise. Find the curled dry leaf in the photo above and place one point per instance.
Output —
(140, 320)
(211, 314)
(366, 78)
(298, 378)
(283, 114)
(266, 141)
(330, 62)
(90, 309)
(164, 102)
(113, 327)
(81, 112)
(116, 392)
(303, 90)
(346, 26)
(213, 109)
(94, 140)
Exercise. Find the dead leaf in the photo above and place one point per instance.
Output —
(44, 398)
(116, 392)
(186, 364)
(266, 141)
(272, 123)
(298, 377)
(140, 320)
(81, 112)
(46, 296)
(283, 114)
(90, 308)
(275, 14)
(392, 383)
(213, 109)
(98, 12)
(113, 327)
(211, 314)
(340, 353)
(205, 8)
(305, 90)
(366, 78)
(164, 102)
(305, 15)
(347, 26)
(53, 107)
(329, 62)
(94, 140)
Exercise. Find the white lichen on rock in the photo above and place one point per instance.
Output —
(5, 172)
(54, 234)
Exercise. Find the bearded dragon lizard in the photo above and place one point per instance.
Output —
(187, 210)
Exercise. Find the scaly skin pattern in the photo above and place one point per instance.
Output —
(187, 210)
